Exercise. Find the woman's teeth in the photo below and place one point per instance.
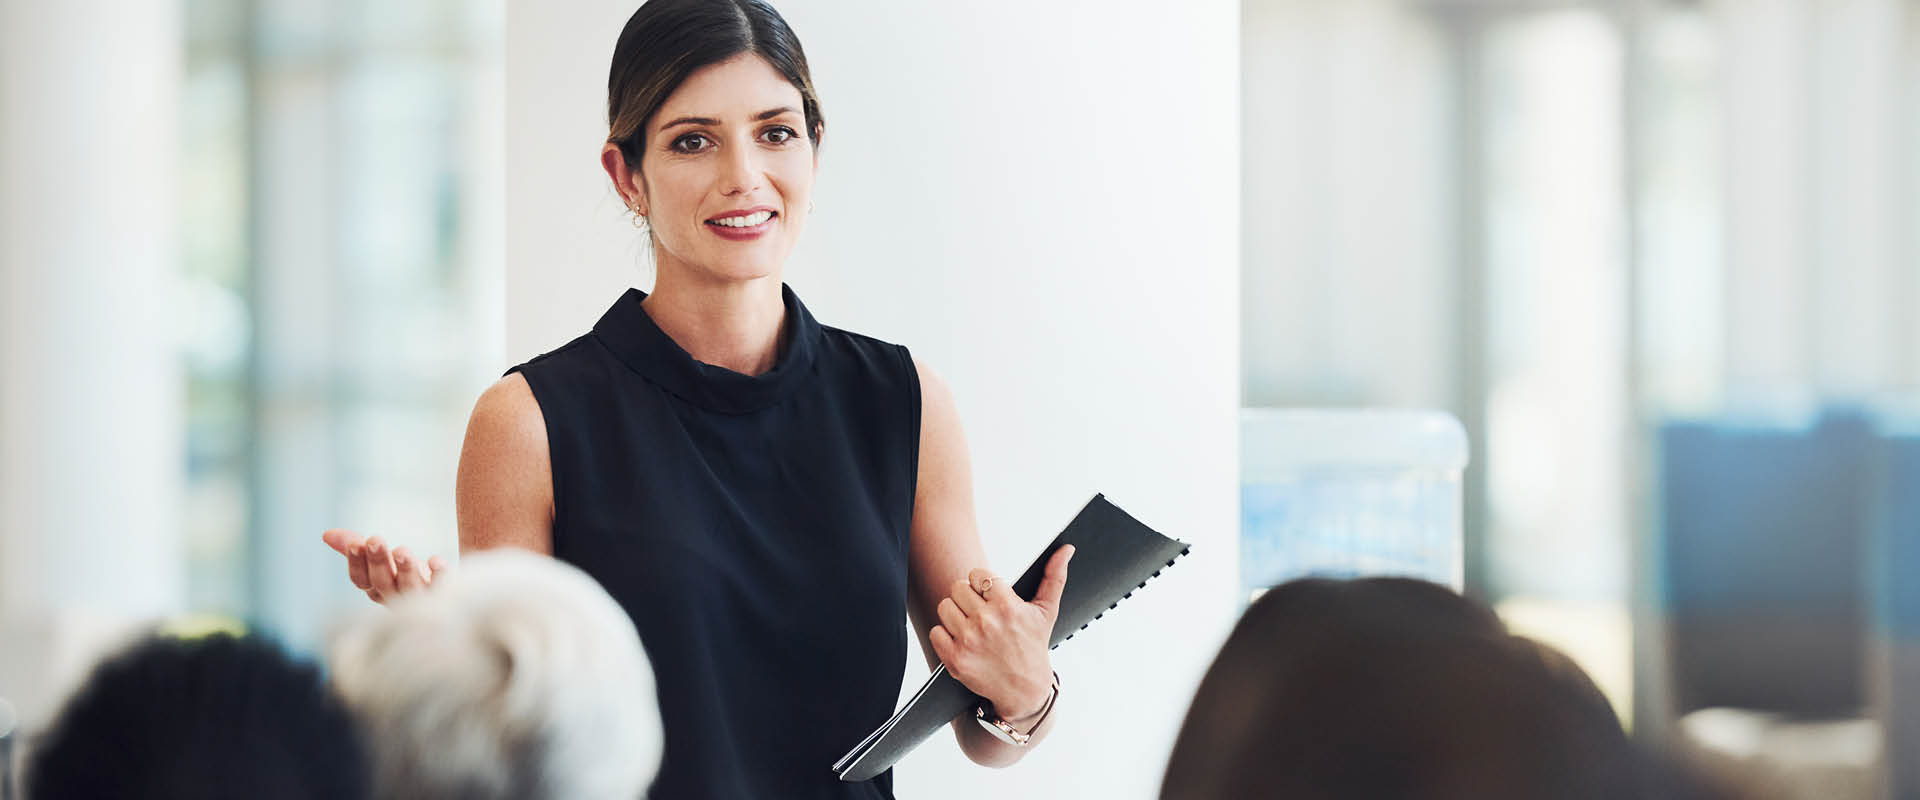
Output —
(747, 221)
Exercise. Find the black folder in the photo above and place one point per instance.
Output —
(1114, 555)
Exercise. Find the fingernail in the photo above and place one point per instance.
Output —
(359, 550)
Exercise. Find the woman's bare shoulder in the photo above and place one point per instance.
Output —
(508, 421)
(504, 491)
(509, 399)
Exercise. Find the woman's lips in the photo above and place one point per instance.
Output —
(741, 234)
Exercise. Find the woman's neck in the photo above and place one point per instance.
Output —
(731, 324)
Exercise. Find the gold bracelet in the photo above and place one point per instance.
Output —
(1004, 730)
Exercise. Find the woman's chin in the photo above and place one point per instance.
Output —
(738, 271)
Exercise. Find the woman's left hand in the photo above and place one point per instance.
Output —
(995, 644)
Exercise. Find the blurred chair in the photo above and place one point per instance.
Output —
(513, 676)
(7, 722)
(1764, 556)
(1896, 590)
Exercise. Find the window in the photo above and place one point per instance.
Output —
(344, 283)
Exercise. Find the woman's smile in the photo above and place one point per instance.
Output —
(744, 225)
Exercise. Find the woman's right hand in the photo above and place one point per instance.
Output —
(382, 572)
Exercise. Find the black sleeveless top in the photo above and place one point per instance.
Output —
(754, 527)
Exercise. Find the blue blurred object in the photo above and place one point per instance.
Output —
(1345, 493)
(1895, 558)
(1763, 552)
(1788, 563)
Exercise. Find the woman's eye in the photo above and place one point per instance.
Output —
(780, 135)
(689, 142)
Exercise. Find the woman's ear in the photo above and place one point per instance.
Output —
(632, 191)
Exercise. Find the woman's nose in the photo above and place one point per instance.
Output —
(740, 170)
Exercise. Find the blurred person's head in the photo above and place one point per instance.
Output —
(1394, 688)
(216, 717)
(514, 676)
(711, 110)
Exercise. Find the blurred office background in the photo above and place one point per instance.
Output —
(1647, 252)
(1660, 257)
(251, 283)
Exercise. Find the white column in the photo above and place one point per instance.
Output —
(1909, 254)
(1855, 174)
(91, 393)
(1769, 326)
(1348, 287)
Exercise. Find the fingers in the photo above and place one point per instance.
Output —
(951, 616)
(410, 574)
(357, 565)
(380, 570)
(1055, 581)
(979, 580)
(999, 590)
(341, 540)
(942, 642)
(971, 604)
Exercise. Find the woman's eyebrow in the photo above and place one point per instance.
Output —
(767, 114)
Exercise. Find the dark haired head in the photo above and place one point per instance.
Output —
(216, 717)
(667, 40)
(1394, 688)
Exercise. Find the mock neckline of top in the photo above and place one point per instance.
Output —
(638, 342)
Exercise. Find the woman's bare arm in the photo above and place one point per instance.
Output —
(503, 496)
(945, 546)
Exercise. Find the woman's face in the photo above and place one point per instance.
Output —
(731, 139)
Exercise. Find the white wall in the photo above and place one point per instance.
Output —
(1042, 200)
(570, 251)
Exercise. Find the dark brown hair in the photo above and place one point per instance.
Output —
(220, 716)
(1390, 688)
(667, 40)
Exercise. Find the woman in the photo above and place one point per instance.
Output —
(762, 493)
